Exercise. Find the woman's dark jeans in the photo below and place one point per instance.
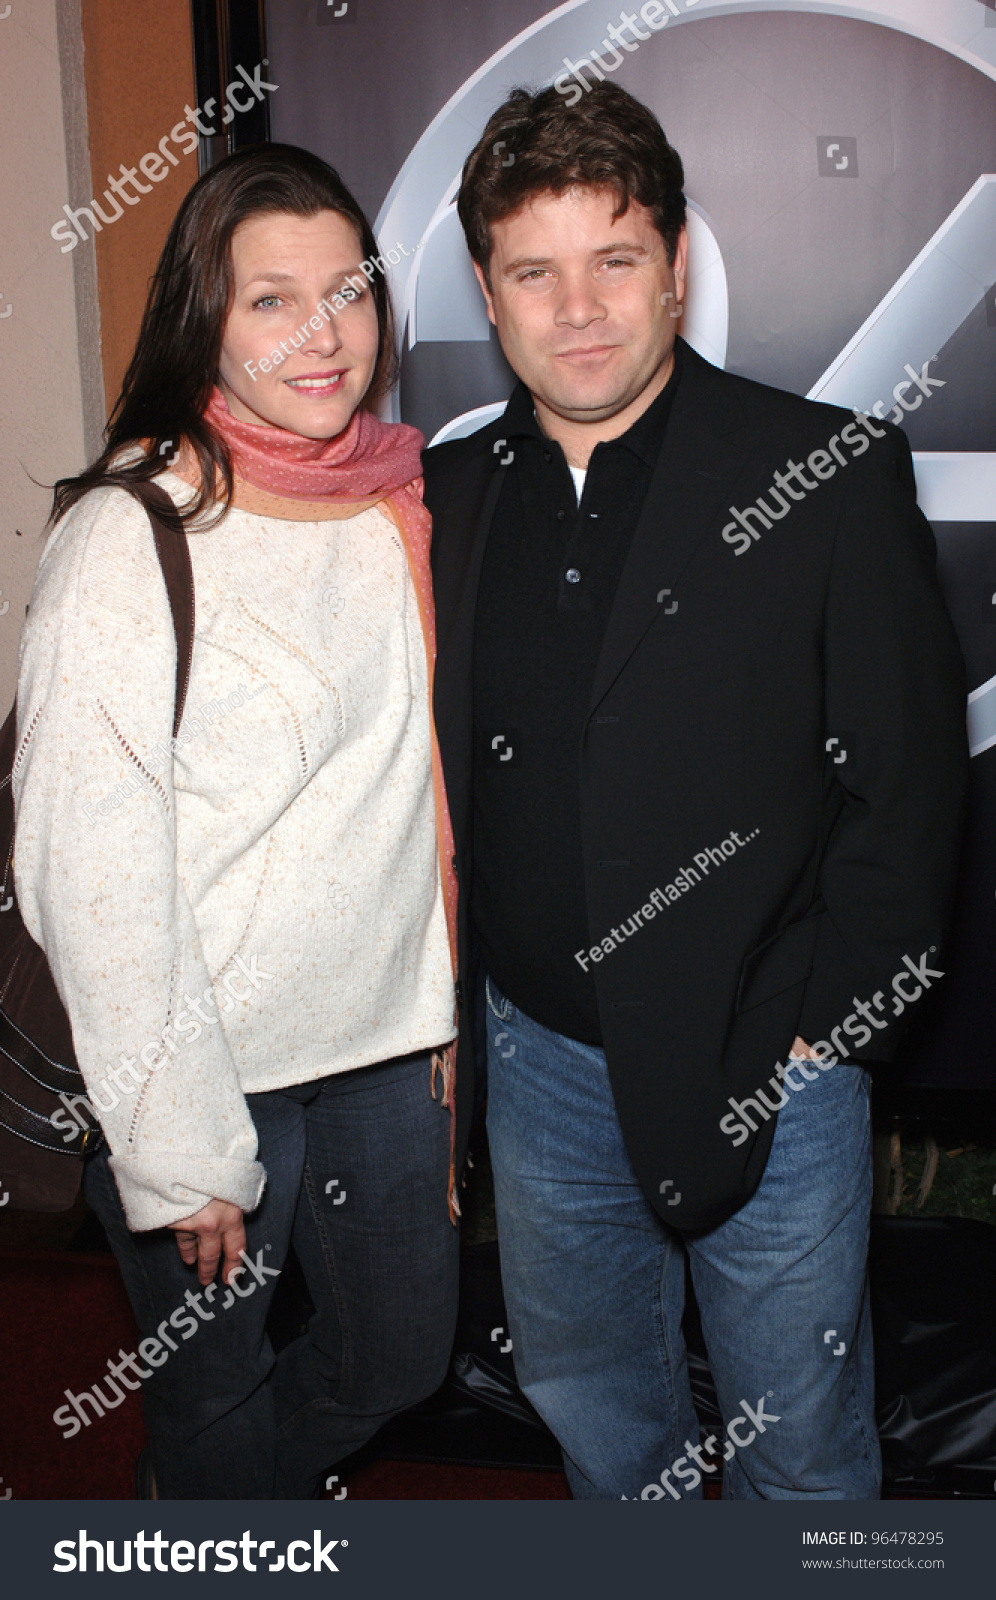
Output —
(357, 1168)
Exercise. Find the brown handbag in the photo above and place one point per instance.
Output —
(40, 1169)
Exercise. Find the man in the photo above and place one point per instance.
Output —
(701, 715)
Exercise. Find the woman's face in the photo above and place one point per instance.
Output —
(311, 383)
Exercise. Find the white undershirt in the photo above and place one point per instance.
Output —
(579, 474)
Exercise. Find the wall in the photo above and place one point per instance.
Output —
(84, 89)
(139, 78)
(41, 402)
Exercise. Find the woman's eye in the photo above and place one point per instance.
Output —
(268, 300)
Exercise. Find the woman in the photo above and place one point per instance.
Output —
(258, 927)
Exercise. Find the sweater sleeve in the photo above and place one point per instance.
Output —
(96, 869)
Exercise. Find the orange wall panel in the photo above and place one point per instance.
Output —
(139, 76)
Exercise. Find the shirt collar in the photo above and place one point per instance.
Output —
(643, 438)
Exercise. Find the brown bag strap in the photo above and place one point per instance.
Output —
(174, 558)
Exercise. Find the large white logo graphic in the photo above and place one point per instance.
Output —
(441, 301)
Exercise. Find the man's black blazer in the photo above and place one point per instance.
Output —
(724, 672)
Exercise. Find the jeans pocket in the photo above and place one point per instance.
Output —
(499, 1007)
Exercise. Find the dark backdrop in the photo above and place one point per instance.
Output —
(837, 165)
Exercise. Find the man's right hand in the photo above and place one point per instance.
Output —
(216, 1231)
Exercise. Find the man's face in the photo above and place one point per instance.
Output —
(582, 303)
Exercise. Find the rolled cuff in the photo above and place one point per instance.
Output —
(157, 1190)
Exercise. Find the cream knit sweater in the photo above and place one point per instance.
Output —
(264, 907)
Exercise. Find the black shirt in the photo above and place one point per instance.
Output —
(548, 582)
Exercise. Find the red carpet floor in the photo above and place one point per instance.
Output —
(411, 1480)
(61, 1317)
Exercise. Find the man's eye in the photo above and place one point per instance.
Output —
(617, 261)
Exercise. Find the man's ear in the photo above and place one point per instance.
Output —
(680, 264)
(488, 297)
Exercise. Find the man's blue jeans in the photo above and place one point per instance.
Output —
(357, 1167)
(594, 1285)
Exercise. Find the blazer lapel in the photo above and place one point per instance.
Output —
(703, 455)
(459, 572)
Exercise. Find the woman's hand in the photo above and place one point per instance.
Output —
(214, 1230)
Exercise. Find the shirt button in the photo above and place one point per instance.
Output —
(572, 575)
(547, 457)
(561, 514)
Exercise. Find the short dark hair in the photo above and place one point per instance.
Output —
(543, 143)
(169, 381)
